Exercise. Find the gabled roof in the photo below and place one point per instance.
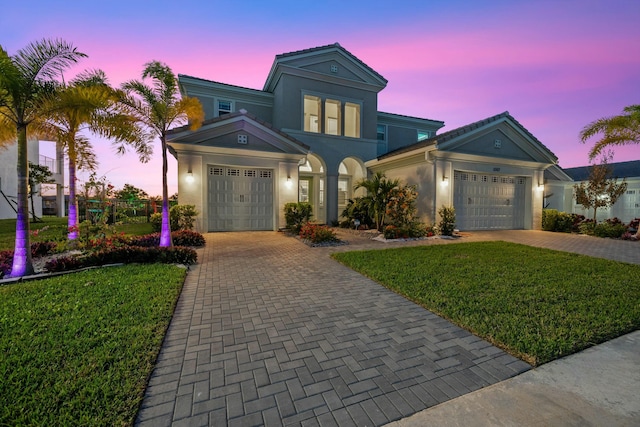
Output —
(242, 113)
(618, 170)
(289, 57)
(454, 133)
(327, 47)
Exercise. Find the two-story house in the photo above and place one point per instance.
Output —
(314, 130)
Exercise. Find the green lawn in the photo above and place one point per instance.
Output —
(537, 304)
(78, 349)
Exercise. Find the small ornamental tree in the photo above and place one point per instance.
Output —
(601, 190)
(38, 175)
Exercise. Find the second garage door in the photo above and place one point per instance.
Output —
(487, 202)
(240, 199)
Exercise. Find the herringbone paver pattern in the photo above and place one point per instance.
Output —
(271, 332)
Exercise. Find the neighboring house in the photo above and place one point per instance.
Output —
(314, 130)
(9, 176)
(559, 192)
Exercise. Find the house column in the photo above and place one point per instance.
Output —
(332, 198)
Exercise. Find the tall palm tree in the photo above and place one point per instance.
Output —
(89, 103)
(158, 107)
(617, 130)
(378, 195)
(26, 79)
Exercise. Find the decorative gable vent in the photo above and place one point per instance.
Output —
(334, 68)
(243, 139)
(497, 143)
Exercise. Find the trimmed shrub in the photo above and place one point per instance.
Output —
(411, 231)
(612, 230)
(180, 238)
(297, 214)
(448, 220)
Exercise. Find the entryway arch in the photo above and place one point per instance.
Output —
(312, 186)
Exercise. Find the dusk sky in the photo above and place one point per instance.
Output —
(554, 65)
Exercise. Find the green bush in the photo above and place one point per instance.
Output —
(410, 231)
(606, 229)
(357, 208)
(181, 217)
(447, 220)
(297, 214)
(554, 220)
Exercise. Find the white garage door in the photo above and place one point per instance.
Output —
(486, 202)
(240, 199)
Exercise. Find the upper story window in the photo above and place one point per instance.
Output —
(224, 107)
(424, 134)
(352, 120)
(332, 110)
(311, 113)
(382, 132)
(332, 116)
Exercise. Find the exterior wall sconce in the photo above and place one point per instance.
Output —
(445, 181)
(190, 179)
(540, 187)
(289, 184)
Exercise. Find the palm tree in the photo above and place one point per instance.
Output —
(617, 130)
(378, 195)
(26, 79)
(158, 107)
(88, 102)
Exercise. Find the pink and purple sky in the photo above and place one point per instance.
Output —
(555, 65)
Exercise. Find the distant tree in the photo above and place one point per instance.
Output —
(379, 192)
(131, 193)
(601, 190)
(26, 80)
(38, 175)
(157, 108)
(617, 130)
(88, 103)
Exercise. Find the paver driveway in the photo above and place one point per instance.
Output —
(271, 332)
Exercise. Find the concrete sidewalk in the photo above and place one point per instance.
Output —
(599, 386)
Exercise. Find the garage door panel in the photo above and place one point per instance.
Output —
(240, 199)
(485, 202)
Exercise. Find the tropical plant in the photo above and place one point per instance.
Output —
(27, 79)
(38, 175)
(89, 103)
(616, 130)
(379, 191)
(357, 209)
(157, 108)
(601, 190)
(181, 217)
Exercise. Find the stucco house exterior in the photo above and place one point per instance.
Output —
(559, 193)
(314, 130)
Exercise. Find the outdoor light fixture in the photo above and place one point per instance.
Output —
(540, 187)
(445, 181)
(190, 178)
(289, 184)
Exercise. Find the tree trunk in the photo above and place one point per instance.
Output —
(72, 221)
(165, 230)
(22, 262)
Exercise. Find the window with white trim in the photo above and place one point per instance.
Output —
(352, 120)
(224, 107)
(332, 117)
(311, 113)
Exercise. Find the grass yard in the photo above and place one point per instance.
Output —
(78, 349)
(537, 304)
